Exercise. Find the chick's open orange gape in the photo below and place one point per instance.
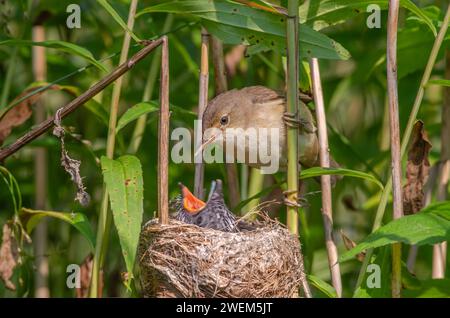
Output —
(190, 202)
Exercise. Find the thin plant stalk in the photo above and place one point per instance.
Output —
(327, 212)
(440, 250)
(406, 135)
(384, 140)
(255, 186)
(394, 125)
(104, 222)
(202, 102)
(8, 78)
(292, 107)
(244, 175)
(293, 168)
(40, 172)
(150, 83)
(77, 102)
(221, 85)
(163, 136)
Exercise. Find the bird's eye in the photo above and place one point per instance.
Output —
(224, 120)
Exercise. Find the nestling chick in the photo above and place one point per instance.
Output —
(213, 214)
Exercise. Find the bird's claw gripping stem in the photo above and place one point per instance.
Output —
(298, 203)
(292, 120)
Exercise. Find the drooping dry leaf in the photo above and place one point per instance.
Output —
(9, 256)
(72, 166)
(17, 115)
(417, 170)
(20, 113)
(349, 244)
(85, 278)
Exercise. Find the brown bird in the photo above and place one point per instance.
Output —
(262, 107)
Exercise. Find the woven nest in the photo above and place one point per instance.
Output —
(183, 260)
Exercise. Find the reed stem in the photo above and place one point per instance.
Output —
(221, 85)
(293, 169)
(105, 219)
(202, 102)
(150, 83)
(163, 136)
(406, 135)
(292, 107)
(40, 171)
(327, 212)
(8, 79)
(440, 250)
(394, 125)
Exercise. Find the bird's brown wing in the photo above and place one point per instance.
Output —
(263, 95)
(309, 144)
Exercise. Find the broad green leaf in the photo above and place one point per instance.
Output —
(369, 289)
(409, 5)
(432, 288)
(143, 108)
(318, 171)
(62, 46)
(321, 14)
(442, 82)
(323, 286)
(429, 226)
(135, 112)
(30, 218)
(234, 23)
(413, 50)
(124, 183)
(117, 18)
(414, 47)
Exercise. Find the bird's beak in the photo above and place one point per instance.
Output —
(204, 144)
(190, 202)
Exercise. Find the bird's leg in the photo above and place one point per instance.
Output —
(292, 120)
(299, 202)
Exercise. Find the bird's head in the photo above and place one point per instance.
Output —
(216, 192)
(191, 203)
(227, 110)
(249, 107)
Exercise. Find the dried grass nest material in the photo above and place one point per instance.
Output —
(183, 260)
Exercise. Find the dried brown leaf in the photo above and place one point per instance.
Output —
(72, 166)
(349, 244)
(17, 115)
(417, 170)
(85, 277)
(233, 58)
(269, 7)
(20, 113)
(9, 256)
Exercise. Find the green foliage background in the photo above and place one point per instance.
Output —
(354, 89)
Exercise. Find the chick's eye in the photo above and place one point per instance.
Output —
(224, 120)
